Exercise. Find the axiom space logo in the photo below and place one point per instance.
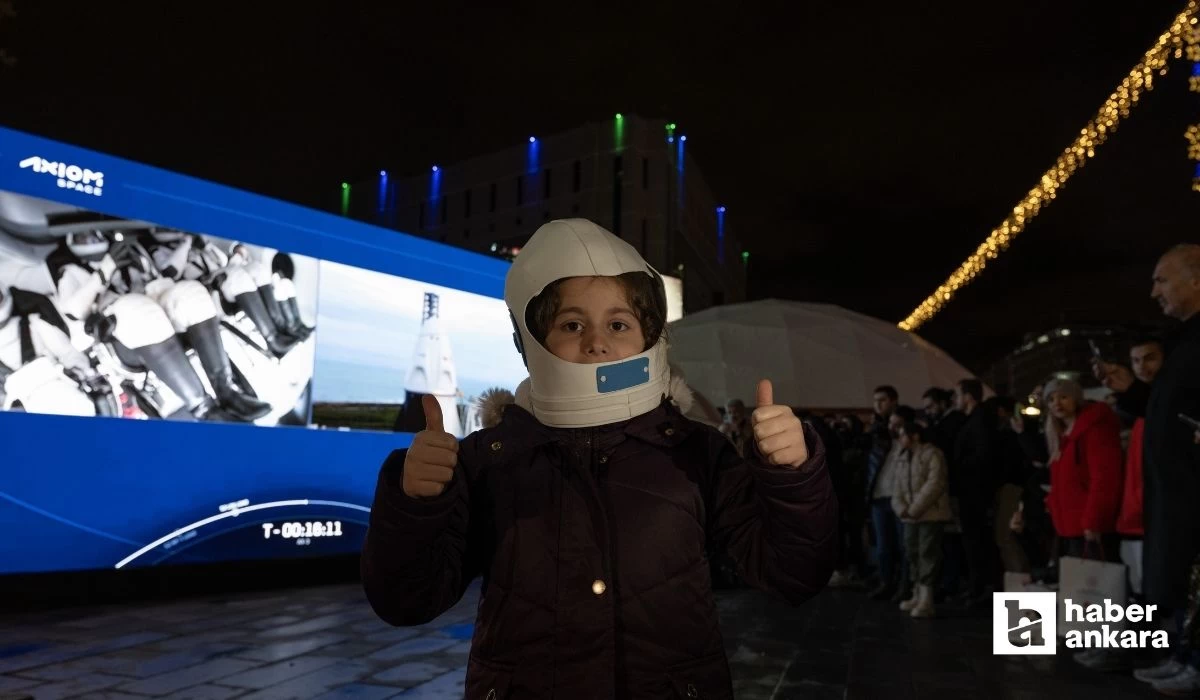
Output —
(1024, 623)
(68, 175)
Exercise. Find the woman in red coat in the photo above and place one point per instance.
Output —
(1084, 442)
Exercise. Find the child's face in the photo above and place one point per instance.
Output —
(594, 322)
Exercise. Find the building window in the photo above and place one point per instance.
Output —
(577, 176)
(492, 198)
(520, 189)
(618, 177)
(546, 183)
(445, 201)
(645, 173)
(467, 204)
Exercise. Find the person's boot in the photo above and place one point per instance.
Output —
(924, 606)
(206, 341)
(904, 592)
(294, 326)
(169, 363)
(267, 292)
(911, 602)
(251, 303)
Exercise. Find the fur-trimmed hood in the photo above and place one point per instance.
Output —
(493, 401)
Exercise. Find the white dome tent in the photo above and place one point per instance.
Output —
(817, 356)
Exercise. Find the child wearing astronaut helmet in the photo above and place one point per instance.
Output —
(591, 508)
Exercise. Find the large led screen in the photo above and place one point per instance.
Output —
(192, 374)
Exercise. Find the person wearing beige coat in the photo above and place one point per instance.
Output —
(921, 499)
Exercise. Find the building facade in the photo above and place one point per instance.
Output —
(1064, 351)
(631, 175)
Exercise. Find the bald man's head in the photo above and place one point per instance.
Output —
(1177, 281)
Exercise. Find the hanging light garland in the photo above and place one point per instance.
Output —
(1193, 132)
(1118, 106)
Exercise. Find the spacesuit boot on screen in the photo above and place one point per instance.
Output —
(193, 314)
(206, 341)
(252, 304)
(290, 308)
(239, 288)
(140, 325)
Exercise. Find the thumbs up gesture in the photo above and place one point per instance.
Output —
(778, 433)
(429, 464)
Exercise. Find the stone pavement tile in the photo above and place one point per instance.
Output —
(274, 674)
(351, 650)
(410, 674)
(212, 622)
(75, 651)
(212, 670)
(75, 686)
(316, 624)
(279, 651)
(460, 648)
(360, 691)
(371, 626)
(12, 683)
(205, 692)
(412, 647)
(814, 691)
(882, 689)
(169, 661)
(315, 683)
(396, 634)
(274, 621)
(64, 671)
(111, 695)
(448, 686)
(193, 641)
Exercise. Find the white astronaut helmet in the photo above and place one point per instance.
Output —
(239, 254)
(568, 394)
(88, 245)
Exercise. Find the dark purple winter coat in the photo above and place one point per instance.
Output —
(592, 544)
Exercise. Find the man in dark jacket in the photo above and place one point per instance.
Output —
(972, 483)
(885, 525)
(1171, 458)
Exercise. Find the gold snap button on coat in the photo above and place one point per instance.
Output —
(598, 587)
(496, 446)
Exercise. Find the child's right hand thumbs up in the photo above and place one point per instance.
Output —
(429, 464)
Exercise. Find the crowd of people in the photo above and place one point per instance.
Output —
(941, 504)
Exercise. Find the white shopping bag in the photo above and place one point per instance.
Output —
(1089, 582)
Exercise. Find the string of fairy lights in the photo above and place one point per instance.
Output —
(1171, 44)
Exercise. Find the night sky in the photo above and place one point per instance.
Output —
(863, 152)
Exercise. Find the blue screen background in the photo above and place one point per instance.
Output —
(98, 493)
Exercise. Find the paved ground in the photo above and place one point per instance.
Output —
(326, 643)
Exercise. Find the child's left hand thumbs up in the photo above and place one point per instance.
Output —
(778, 433)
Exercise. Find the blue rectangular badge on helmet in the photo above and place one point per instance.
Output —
(622, 375)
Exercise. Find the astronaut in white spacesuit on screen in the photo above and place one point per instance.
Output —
(143, 310)
(267, 297)
(40, 370)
